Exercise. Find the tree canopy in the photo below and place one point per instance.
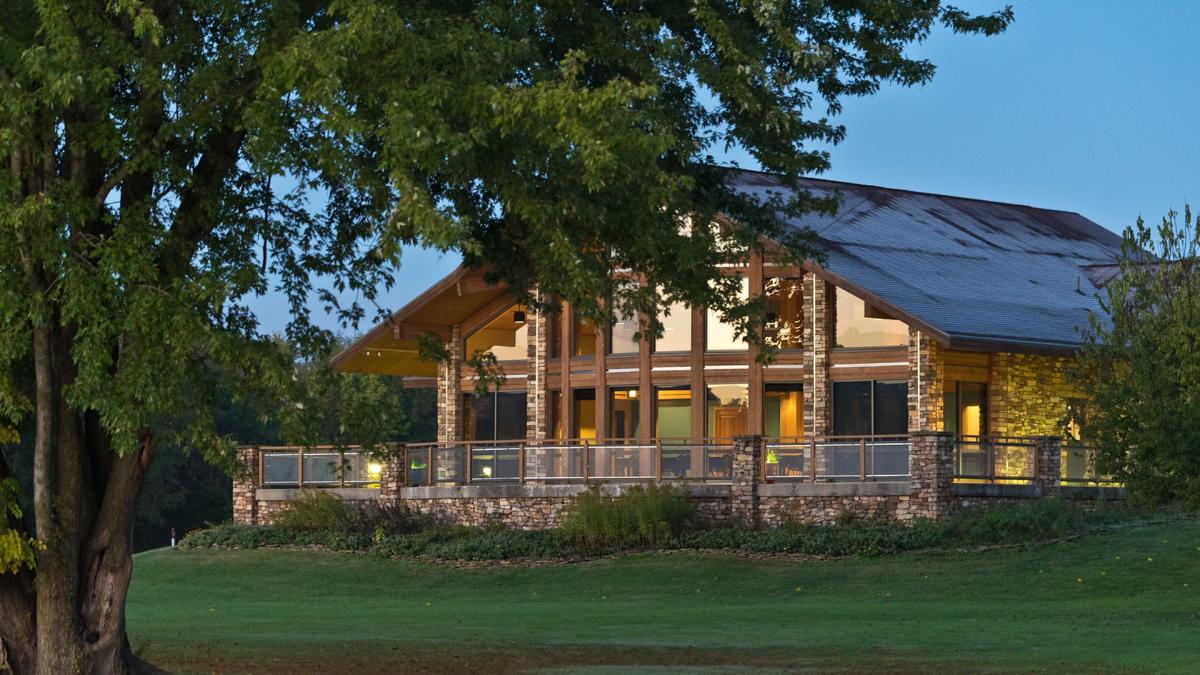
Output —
(165, 162)
(1139, 369)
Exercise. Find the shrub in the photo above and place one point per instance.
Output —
(374, 518)
(316, 510)
(1026, 523)
(642, 516)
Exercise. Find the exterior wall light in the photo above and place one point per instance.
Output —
(518, 317)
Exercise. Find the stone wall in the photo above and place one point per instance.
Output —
(1027, 395)
(537, 419)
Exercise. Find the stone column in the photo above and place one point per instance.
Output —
(743, 490)
(818, 341)
(1048, 465)
(931, 471)
(926, 381)
(394, 475)
(245, 487)
(449, 387)
(537, 418)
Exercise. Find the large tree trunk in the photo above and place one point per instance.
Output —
(85, 498)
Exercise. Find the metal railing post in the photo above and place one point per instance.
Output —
(258, 453)
(521, 462)
(342, 467)
(862, 460)
(467, 463)
(300, 466)
(586, 468)
(812, 459)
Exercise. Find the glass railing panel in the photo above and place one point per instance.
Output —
(628, 461)
(495, 463)
(322, 468)
(787, 459)
(280, 468)
(838, 460)
(887, 459)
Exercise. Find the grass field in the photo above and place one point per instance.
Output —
(1121, 601)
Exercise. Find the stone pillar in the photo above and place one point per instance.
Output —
(394, 475)
(818, 342)
(245, 487)
(537, 418)
(931, 471)
(449, 387)
(746, 474)
(1048, 465)
(926, 382)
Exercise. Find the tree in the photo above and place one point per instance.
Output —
(167, 161)
(1139, 369)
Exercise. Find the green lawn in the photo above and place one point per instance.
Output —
(1127, 600)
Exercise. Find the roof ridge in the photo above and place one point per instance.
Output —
(912, 191)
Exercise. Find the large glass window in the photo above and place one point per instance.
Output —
(718, 335)
(505, 336)
(784, 327)
(624, 413)
(673, 412)
(727, 414)
(621, 337)
(783, 411)
(585, 337)
(870, 408)
(677, 329)
(495, 416)
(859, 327)
(583, 410)
(965, 408)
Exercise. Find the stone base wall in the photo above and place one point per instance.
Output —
(775, 511)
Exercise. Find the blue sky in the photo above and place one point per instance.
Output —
(1089, 106)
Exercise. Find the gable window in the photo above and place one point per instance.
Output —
(621, 336)
(784, 325)
(721, 336)
(860, 325)
(504, 336)
(676, 322)
(585, 337)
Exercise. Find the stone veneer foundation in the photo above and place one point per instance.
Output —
(928, 493)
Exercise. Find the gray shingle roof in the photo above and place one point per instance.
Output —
(980, 272)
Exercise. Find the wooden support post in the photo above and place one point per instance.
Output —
(601, 361)
(697, 374)
(754, 407)
(862, 459)
(467, 460)
(645, 388)
(521, 462)
(567, 399)
(300, 466)
(812, 459)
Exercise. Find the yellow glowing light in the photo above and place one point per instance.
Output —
(374, 469)
(633, 393)
(487, 472)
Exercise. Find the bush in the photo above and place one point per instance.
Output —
(316, 510)
(641, 517)
(1026, 523)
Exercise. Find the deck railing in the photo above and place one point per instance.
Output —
(1079, 467)
(983, 459)
(836, 458)
(323, 466)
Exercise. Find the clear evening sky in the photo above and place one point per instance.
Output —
(1089, 106)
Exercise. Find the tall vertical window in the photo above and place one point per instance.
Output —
(624, 413)
(673, 412)
(556, 414)
(677, 329)
(965, 408)
(727, 413)
(621, 340)
(860, 326)
(495, 416)
(585, 337)
(720, 336)
(505, 336)
(783, 411)
(870, 408)
(583, 402)
(784, 326)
